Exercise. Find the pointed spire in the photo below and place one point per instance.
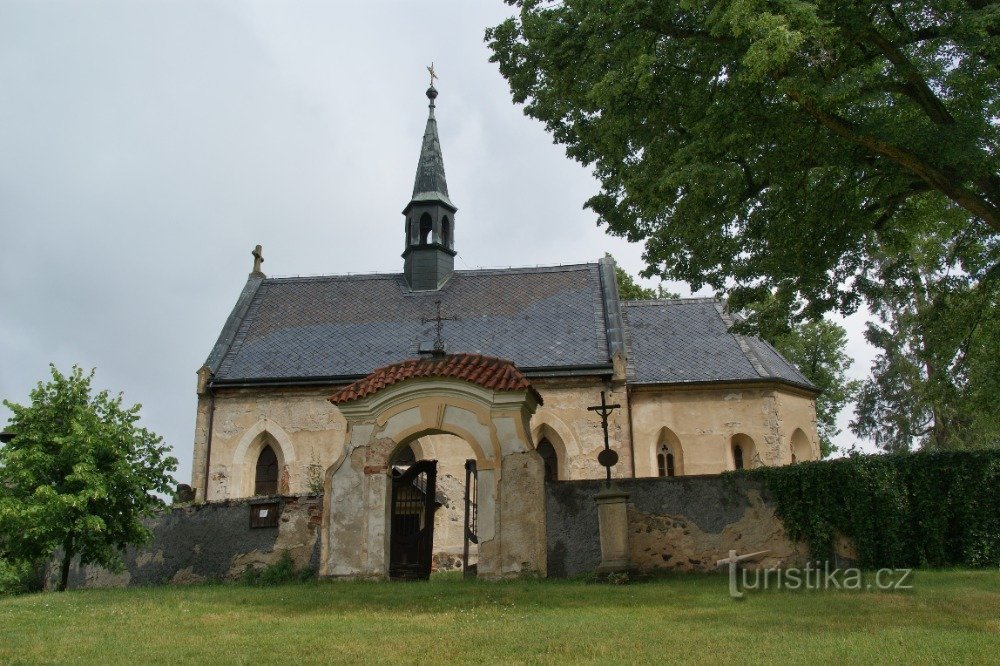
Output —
(430, 183)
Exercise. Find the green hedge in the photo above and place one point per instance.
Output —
(929, 509)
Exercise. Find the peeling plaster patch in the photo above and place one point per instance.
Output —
(676, 543)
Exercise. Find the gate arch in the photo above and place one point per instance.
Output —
(485, 401)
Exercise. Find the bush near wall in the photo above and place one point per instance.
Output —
(928, 509)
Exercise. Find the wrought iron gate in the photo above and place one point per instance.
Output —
(411, 539)
(471, 516)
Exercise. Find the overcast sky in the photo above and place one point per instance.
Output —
(146, 147)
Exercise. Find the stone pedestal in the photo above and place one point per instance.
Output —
(612, 516)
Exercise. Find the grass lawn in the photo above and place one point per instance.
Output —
(949, 617)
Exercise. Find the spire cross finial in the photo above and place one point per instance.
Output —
(430, 70)
(258, 259)
(439, 340)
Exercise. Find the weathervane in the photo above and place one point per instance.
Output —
(430, 70)
(440, 320)
(607, 457)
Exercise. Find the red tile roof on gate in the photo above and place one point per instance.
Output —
(486, 371)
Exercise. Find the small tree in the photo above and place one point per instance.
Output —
(78, 475)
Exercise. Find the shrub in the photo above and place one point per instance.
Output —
(936, 508)
(281, 572)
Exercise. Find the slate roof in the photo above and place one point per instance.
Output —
(344, 327)
(548, 321)
(678, 341)
(486, 371)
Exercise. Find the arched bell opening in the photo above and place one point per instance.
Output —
(445, 232)
(426, 228)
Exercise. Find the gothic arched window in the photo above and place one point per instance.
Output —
(548, 454)
(665, 462)
(426, 226)
(266, 480)
(445, 232)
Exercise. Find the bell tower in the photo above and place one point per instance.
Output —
(429, 256)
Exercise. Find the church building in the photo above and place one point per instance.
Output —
(694, 397)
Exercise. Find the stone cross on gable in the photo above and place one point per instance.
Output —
(439, 339)
(258, 259)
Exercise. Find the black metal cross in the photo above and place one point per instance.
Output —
(439, 340)
(607, 457)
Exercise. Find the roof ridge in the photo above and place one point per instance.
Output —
(465, 271)
(671, 301)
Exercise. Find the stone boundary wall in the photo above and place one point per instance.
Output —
(683, 523)
(214, 541)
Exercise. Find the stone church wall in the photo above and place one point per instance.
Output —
(700, 424)
(206, 542)
(678, 524)
(576, 433)
(307, 431)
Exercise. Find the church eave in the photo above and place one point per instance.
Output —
(430, 197)
(761, 382)
(432, 246)
(329, 380)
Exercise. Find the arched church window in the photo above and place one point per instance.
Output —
(445, 232)
(738, 456)
(426, 226)
(665, 462)
(548, 454)
(266, 481)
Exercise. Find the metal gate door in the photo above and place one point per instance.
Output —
(411, 539)
(471, 516)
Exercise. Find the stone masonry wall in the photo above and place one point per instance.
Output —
(678, 524)
(213, 541)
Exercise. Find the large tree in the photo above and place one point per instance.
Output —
(79, 475)
(767, 146)
(936, 380)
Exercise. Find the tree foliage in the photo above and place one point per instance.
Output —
(817, 349)
(767, 146)
(630, 290)
(79, 475)
(936, 380)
